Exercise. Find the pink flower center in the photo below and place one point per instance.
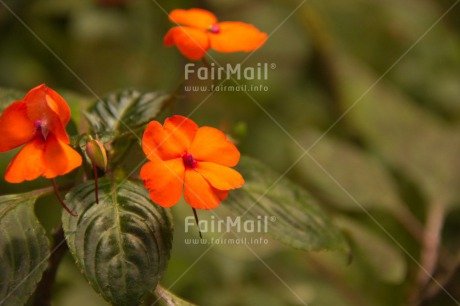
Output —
(42, 128)
(189, 161)
(215, 29)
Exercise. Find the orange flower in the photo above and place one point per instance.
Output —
(38, 121)
(199, 31)
(186, 158)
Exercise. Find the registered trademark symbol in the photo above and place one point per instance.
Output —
(273, 66)
(272, 218)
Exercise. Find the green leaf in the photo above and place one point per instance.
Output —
(361, 175)
(24, 248)
(120, 112)
(122, 245)
(300, 222)
(163, 297)
(78, 104)
(409, 138)
(8, 96)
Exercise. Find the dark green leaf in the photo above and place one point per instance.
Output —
(120, 112)
(122, 244)
(300, 222)
(24, 249)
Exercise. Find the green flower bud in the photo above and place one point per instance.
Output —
(97, 153)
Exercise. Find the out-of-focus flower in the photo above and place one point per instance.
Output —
(188, 159)
(199, 30)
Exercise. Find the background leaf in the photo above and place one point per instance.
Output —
(385, 260)
(359, 173)
(128, 108)
(122, 244)
(300, 222)
(24, 249)
(407, 137)
(78, 104)
(8, 96)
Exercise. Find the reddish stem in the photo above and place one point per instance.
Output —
(95, 183)
(196, 220)
(56, 192)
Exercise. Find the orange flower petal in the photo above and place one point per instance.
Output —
(199, 193)
(15, 127)
(28, 164)
(58, 105)
(59, 158)
(169, 37)
(182, 128)
(192, 43)
(211, 145)
(220, 177)
(237, 36)
(221, 194)
(168, 141)
(47, 110)
(194, 17)
(164, 180)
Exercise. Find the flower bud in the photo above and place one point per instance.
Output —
(97, 153)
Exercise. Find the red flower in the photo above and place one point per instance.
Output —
(186, 158)
(199, 31)
(38, 122)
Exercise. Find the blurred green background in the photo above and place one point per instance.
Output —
(389, 70)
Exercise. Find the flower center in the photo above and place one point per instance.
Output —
(214, 28)
(189, 161)
(42, 128)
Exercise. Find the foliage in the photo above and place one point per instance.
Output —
(354, 149)
(24, 246)
(122, 244)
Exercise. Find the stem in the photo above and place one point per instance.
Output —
(208, 66)
(45, 286)
(196, 220)
(56, 192)
(159, 291)
(413, 226)
(96, 184)
(451, 264)
(323, 57)
(206, 63)
(430, 251)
